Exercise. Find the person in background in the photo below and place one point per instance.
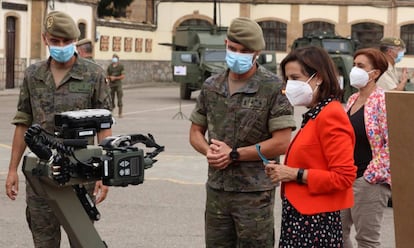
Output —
(239, 108)
(318, 171)
(63, 82)
(85, 48)
(367, 112)
(393, 48)
(116, 74)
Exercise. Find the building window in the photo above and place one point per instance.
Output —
(274, 33)
(317, 27)
(138, 45)
(407, 35)
(148, 45)
(104, 44)
(128, 44)
(82, 29)
(116, 43)
(367, 34)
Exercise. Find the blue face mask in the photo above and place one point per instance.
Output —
(114, 60)
(239, 63)
(62, 54)
(399, 56)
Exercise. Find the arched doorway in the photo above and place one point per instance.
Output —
(10, 50)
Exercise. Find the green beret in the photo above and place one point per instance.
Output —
(246, 32)
(392, 41)
(83, 42)
(61, 25)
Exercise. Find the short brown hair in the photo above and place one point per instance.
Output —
(376, 58)
(316, 60)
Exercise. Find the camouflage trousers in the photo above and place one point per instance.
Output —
(117, 89)
(239, 219)
(42, 222)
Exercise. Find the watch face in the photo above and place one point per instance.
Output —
(234, 155)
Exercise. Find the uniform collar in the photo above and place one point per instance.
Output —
(75, 72)
(252, 86)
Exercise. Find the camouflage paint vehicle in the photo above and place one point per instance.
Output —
(340, 49)
(199, 52)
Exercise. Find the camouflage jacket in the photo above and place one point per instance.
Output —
(115, 71)
(82, 87)
(245, 118)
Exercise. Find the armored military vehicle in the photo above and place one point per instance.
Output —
(198, 52)
(340, 49)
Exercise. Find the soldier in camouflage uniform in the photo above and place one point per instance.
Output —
(84, 48)
(240, 108)
(64, 82)
(115, 75)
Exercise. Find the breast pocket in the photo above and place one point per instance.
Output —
(254, 117)
(42, 98)
(77, 95)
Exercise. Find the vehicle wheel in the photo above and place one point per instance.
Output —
(185, 92)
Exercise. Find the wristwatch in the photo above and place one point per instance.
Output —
(299, 176)
(234, 154)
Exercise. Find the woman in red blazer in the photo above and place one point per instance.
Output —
(319, 165)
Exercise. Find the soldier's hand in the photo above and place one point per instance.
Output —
(218, 156)
(12, 185)
(100, 192)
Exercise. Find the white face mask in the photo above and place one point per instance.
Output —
(299, 93)
(358, 77)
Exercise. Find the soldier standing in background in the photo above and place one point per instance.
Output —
(393, 49)
(63, 82)
(85, 49)
(116, 75)
(239, 108)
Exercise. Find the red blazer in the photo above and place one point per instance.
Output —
(325, 147)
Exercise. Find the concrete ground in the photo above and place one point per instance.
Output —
(167, 210)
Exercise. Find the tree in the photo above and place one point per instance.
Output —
(115, 8)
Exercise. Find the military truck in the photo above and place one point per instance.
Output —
(340, 49)
(198, 52)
